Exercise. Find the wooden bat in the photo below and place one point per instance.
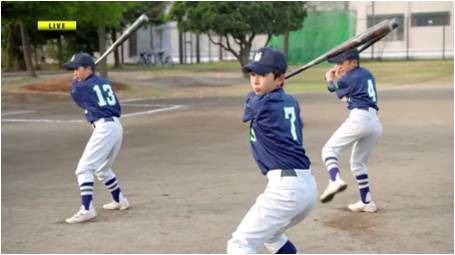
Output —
(363, 41)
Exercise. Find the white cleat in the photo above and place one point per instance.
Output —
(333, 188)
(82, 215)
(362, 207)
(123, 204)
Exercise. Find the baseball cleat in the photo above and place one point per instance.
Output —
(123, 204)
(82, 215)
(333, 188)
(362, 207)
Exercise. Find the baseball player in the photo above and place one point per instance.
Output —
(361, 130)
(277, 146)
(102, 109)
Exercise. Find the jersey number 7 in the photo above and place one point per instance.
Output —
(289, 114)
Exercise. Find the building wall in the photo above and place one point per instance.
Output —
(417, 41)
(166, 38)
(412, 42)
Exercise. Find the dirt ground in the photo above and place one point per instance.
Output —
(190, 177)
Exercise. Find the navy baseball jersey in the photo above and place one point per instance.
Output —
(275, 131)
(96, 96)
(359, 87)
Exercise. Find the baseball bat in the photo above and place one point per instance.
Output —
(124, 36)
(362, 40)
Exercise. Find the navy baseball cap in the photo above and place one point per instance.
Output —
(350, 54)
(79, 59)
(267, 60)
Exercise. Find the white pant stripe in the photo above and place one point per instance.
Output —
(364, 186)
(114, 188)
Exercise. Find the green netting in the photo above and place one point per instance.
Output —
(321, 32)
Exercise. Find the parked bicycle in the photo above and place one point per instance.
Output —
(147, 59)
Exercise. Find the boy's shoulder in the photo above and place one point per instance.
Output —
(358, 73)
(282, 96)
(99, 79)
(271, 99)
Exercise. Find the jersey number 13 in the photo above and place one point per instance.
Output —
(105, 95)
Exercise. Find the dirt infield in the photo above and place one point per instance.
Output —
(190, 177)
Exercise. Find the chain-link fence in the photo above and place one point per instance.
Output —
(419, 35)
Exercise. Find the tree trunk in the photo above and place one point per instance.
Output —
(220, 52)
(102, 65)
(198, 50)
(286, 44)
(35, 57)
(60, 51)
(26, 49)
(116, 55)
(181, 45)
(122, 54)
(10, 56)
(244, 58)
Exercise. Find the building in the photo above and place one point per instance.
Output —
(180, 47)
(425, 31)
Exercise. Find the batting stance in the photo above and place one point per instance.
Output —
(277, 146)
(102, 109)
(361, 129)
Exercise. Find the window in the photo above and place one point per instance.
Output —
(133, 45)
(398, 34)
(430, 19)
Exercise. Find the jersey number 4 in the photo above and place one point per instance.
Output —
(371, 91)
(105, 95)
(289, 114)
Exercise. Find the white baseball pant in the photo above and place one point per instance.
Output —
(100, 152)
(285, 202)
(361, 130)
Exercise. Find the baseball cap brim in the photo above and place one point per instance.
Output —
(255, 67)
(352, 54)
(336, 60)
(71, 65)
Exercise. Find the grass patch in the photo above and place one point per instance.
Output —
(387, 73)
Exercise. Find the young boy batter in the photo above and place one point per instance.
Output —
(102, 109)
(277, 146)
(361, 129)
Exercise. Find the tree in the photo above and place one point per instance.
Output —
(99, 15)
(154, 11)
(93, 20)
(238, 23)
(24, 15)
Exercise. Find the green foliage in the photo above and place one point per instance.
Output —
(154, 11)
(238, 22)
(239, 18)
(89, 16)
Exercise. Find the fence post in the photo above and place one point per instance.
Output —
(408, 29)
(443, 40)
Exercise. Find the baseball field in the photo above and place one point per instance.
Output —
(187, 169)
